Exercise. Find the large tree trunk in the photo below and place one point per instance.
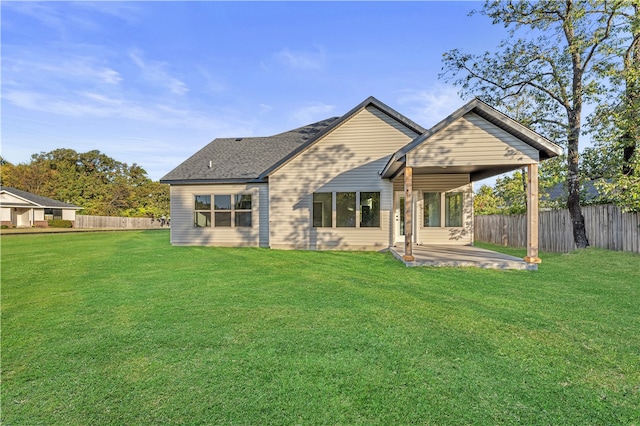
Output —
(574, 115)
(573, 183)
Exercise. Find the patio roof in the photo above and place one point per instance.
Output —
(545, 148)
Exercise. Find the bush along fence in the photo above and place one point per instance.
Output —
(607, 227)
(86, 221)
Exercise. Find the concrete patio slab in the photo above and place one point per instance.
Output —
(461, 256)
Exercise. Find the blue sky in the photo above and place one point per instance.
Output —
(153, 82)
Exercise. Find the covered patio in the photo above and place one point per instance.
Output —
(461, 256)
(474, 143)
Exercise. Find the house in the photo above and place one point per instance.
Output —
(21, 209)
(368, 180)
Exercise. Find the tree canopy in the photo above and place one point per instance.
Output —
(559, 56)
(92, 180)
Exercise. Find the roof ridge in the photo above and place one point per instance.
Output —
(305, 126)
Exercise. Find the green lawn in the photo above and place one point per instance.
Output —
(121, 328)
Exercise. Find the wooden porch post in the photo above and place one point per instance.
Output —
(408, 218)
(532, 214)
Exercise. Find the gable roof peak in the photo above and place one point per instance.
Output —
(255, 158)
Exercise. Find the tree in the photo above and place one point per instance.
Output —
(615, 123)
(512, 191)
(630, 108)
(550, 72)
(92, 180)
(485, 201)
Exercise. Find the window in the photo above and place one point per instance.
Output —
(222, 210)
(431, 209)
(346, 209)
(322, 210)
(52, 214)
(225, 213)
(242, 209)
(202, 211)
(453, 209)
(369, 209)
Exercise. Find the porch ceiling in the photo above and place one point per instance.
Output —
(476, 172)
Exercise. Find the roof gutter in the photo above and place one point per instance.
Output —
(210, 181)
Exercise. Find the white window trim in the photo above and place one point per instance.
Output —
(443, 208)
(253, 211)
(358, 211)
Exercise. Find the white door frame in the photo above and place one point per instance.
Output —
(398, 239)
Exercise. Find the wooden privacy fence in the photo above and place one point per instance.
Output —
(85, 221)
(607, 227)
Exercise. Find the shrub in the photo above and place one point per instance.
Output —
(4, 226)
(58, 223)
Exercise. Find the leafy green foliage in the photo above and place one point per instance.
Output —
(544, 73)
(130, 330)
(615, 125)
(624, 191)
(509, 194)
(92, 180)
(485, 201)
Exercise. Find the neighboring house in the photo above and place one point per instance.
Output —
(558, 194)
(21, 209)
(367, 180)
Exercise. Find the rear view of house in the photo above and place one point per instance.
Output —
(368, 180)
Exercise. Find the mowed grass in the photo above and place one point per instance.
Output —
(121, 328)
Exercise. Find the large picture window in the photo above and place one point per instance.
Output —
(228, 210)
(369, 209)
(346, 209)
(431, 209)
(352, 209)
(202, 211)
(453, 209)
(322, 210)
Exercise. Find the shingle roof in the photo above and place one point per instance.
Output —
(38, 199)
(253, 159)
(242, 159)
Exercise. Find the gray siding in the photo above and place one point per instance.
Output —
(441, 183)
(472, 140)
(182, 212)
(348, 159)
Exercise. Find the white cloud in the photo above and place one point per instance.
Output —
(47, 14)
(78, 14)
(304, 61)
(264, 108)
(31, 67)
(155, 72)
(211, 84)
(429, 106)
(312, 112)
(88, 105)
(125, 11)
(84, 105)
